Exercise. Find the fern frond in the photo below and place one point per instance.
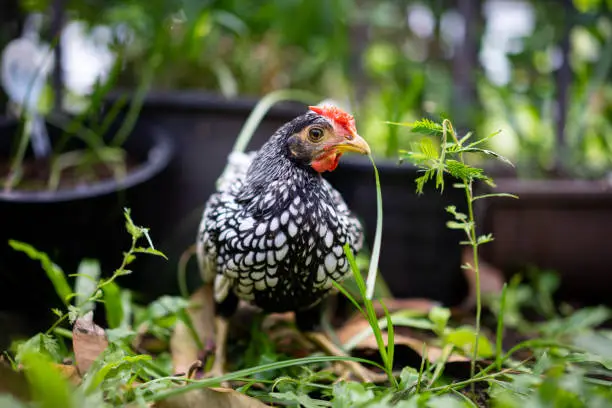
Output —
(463, 171)
(421, 181)
(428, 148)
(426, 127)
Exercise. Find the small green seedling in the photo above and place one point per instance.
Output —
(449, 159)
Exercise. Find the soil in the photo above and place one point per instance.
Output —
(36, 173)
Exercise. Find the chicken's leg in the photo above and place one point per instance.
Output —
(221, 330)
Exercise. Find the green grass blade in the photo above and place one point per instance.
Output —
(500, 328)
(113, 304)
(54, 273)
(209, 382)
(86, 283)
(371, 279)
(422, 367)
(348, 295)
(356, 273)
(390, 339)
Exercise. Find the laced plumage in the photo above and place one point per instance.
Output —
(274, 232)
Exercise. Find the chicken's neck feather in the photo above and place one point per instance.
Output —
(272, 164)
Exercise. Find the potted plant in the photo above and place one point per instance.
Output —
(557, 111)
(417, 247)
(67, 174)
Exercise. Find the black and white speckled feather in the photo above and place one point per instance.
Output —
(274, 231)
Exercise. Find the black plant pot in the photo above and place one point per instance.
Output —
(72, 224)
(561, 225)
(420, 256)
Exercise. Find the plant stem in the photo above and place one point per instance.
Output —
(475, 267)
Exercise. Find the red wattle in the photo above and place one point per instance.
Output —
(326, 163)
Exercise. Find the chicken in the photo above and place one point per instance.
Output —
(273, 233)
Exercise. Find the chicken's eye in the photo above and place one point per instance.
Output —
(315, 134)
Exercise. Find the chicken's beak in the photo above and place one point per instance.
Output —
(357, 145)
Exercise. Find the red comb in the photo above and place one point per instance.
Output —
(336, 114)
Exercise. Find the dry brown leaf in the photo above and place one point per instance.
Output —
(88, 341)
(211, 398)
(14, 383)
(396, 305)
(358, 324)
(70, 372)
(183, 347)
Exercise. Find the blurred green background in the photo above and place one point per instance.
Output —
(538, 70)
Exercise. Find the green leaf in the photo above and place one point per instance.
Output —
(119, 334)
(459, 216)
(122, 272)
(439, 316)
(129, 258)
(422, 180)
(351, 394)
(150, 251)
(426, 127)
(42, 344)
(128, 361)
(428, 148)
(133, 230)
(303, 400)
(73, 313)
(463, 171)
(494, 195)
(464, 338)
(487, 152)
(165, 306)
(583, 319)
(88, 274)
(457, 225)
(112, 304)
(446, 401)
(49, 387)
(596, 343)
(483, 239)
(54, 273)
(408, 378)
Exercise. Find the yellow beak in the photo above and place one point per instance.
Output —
(356, 145)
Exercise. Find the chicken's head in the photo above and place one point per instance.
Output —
(321, 136)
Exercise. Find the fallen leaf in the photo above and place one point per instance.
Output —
(70, 372)
(14, 383)
(395, 305)
(183, 346)
(211, 398)
(88, 341)
(359, 324)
